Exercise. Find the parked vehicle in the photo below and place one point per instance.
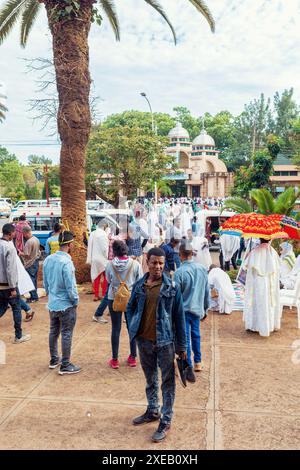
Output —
(42, 220)
(5, 209)
(210, 221)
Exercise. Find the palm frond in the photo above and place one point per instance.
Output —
(154, 4)
(205, 11)
(110, 11)
(9, 14)
(28, 19)
(237, 204)
(3, 108)
(285, 203)
(264, 201)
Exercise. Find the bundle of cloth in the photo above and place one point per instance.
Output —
(220, 283)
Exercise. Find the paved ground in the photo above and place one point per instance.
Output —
(247, 397)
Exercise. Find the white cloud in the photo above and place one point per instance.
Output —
(254, 50)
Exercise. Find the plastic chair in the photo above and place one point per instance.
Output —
(291, 298)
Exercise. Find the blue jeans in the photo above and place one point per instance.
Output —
(33, 273)
(24, 305)
(177, 260)
(192, 323)
(103, 304)
(64, 323)
(116, 326)
(14, 302)
(151, 358)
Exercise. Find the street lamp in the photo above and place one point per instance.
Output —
(154, 131)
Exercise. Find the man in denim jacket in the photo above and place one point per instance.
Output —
(155, 317)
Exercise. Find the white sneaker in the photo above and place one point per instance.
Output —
(99, 319)
(23, 339)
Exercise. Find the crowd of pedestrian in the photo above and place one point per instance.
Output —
(157, 270)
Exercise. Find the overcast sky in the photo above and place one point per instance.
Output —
(255, 49)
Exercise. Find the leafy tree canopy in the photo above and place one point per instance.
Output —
(125, 157)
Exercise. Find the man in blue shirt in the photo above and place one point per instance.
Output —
(60, 285)
(169, 249)
(192, 280)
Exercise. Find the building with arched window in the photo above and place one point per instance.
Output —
(201, 170)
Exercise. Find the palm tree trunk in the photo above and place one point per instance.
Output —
(71, 61)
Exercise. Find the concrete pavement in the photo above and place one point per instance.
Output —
(247, 396)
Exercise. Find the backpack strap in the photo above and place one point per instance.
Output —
(127, 275)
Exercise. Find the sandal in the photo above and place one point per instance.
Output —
(29, 316)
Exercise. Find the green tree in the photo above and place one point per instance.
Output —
(5, 156)
(3, 108)
(69, 22)
(125, 157)
(286, 111)
(263, 202)
(39, 160)
(294, 138)
(255, 176)
(11, 180)
(163, 121)
(190, 123)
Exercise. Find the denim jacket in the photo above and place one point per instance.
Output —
(170, 319)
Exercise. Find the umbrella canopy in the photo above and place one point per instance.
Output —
(254, 225)
(289, 225)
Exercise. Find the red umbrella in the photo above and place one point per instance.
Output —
(254, 225)
(289, 225)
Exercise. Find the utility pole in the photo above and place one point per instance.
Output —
(46, 184)
(154, 131)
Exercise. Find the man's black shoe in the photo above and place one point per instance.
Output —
(161, 432)
(147, 417)
(190, 376)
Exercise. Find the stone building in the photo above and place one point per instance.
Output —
(203, 173)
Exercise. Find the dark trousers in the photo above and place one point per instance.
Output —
(64, 323)
(116, 326)
(152, 358)
(103, 304)
(33, 273)
(226, 264)
(15, 303)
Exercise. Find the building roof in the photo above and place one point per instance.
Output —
(204, 139)
(283, 160)
(178, 131)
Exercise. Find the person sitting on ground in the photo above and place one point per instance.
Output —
(222, 293)
(129, 271)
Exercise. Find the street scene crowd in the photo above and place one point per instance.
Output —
(154, 275)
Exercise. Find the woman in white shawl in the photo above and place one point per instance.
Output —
(220, 282)
(97, 257)
(287, 260)
(262, 308)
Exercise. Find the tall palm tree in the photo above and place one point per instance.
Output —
(263, 201)
(3, 108)
(69, 22)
